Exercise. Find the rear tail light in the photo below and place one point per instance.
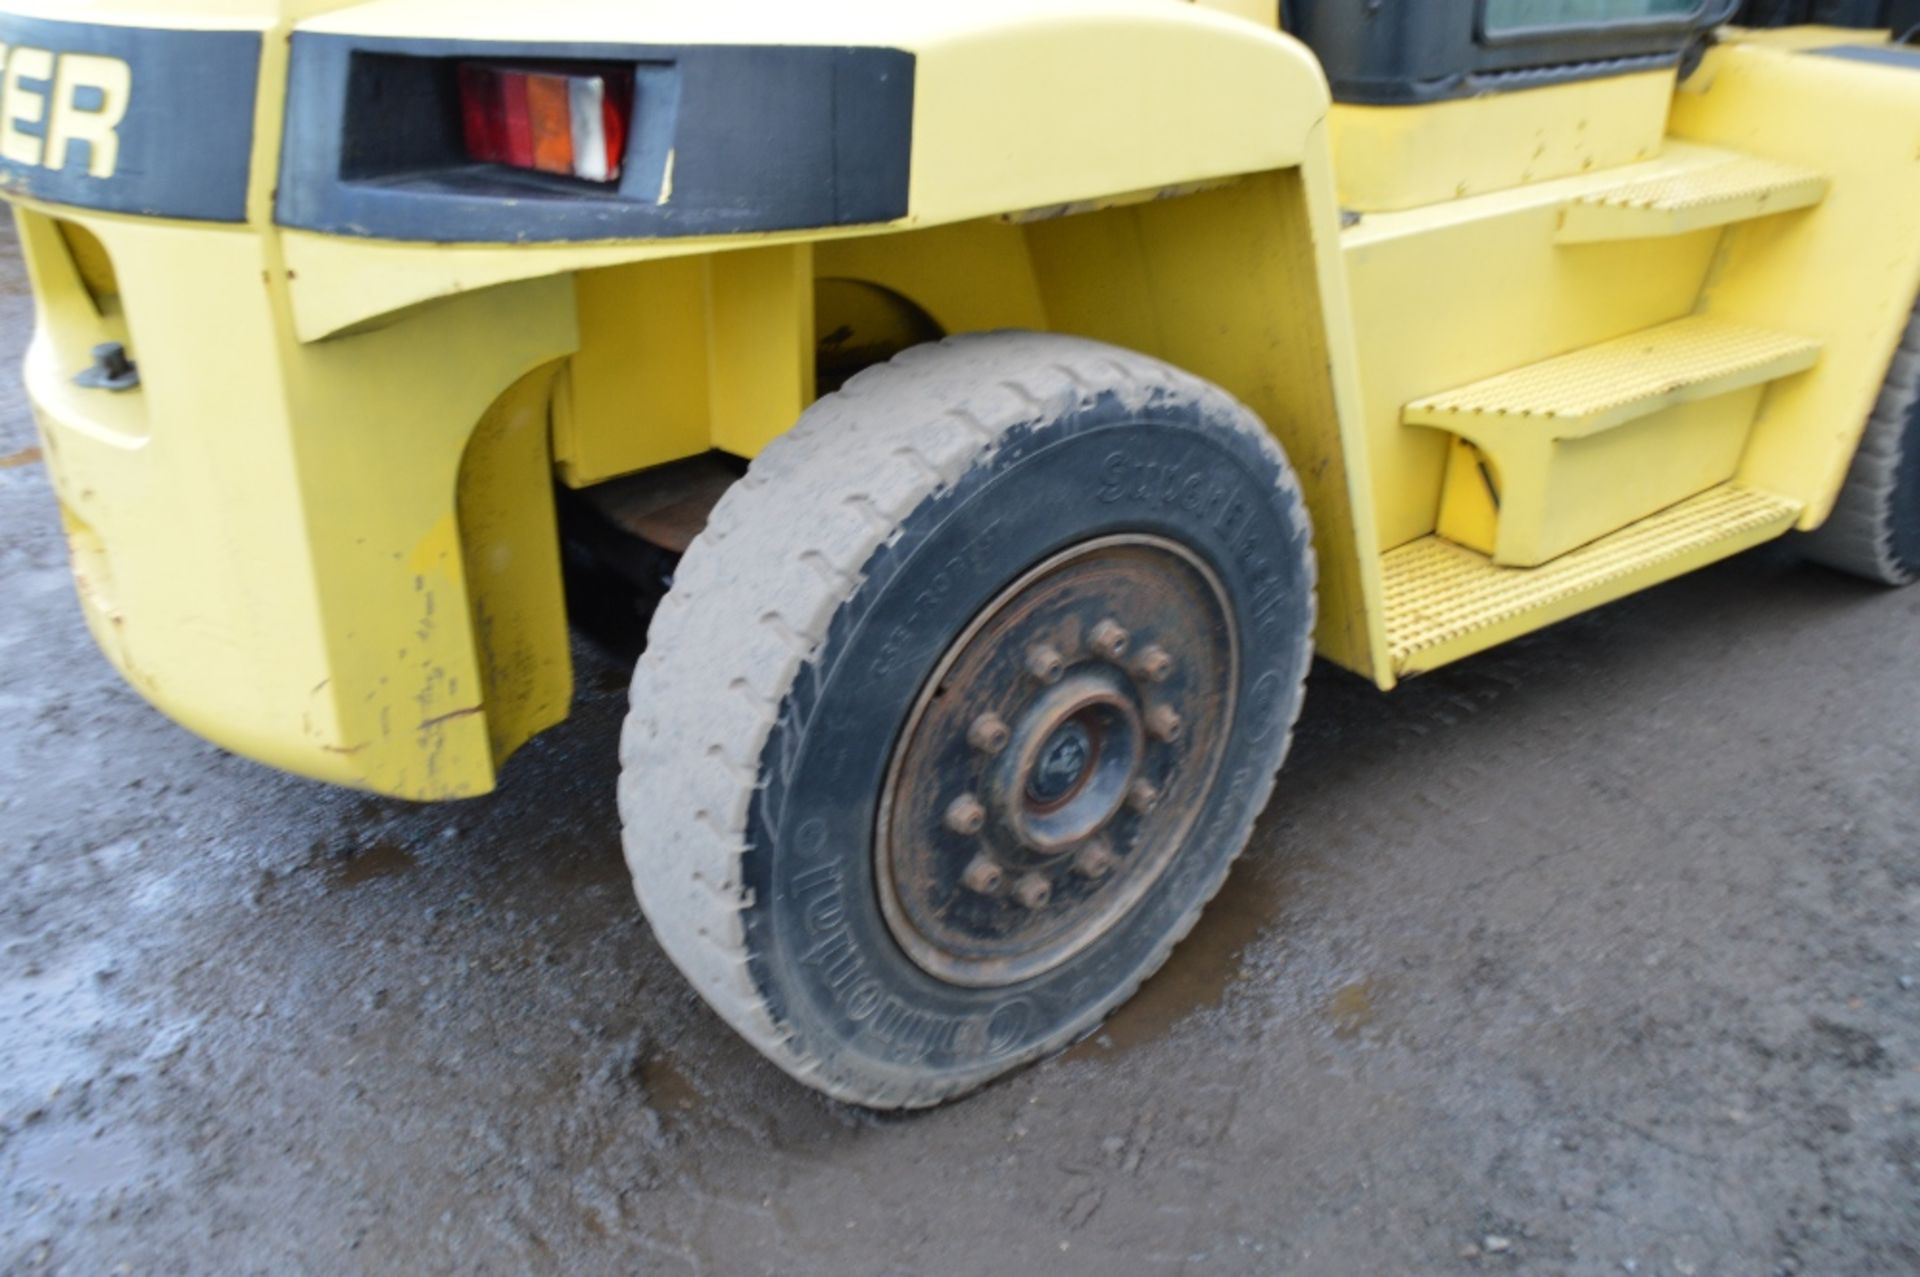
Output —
(570, 123)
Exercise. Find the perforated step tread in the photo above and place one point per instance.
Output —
(1616, 381)
(1444, 602)
(1738, 188)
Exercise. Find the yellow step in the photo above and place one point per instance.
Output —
(1444, 602)
(1738, 188)
(1590, 390)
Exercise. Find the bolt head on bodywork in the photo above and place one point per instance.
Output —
(966, 815)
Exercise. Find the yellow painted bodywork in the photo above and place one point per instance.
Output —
(1230, 285)
(1453, 293)
(1845, 274)
(510, 540)
(1444, 602)
(1559, 451)
(322, 531)
(1393, 158)
(1785, 199)
(1736, 189)
(267, 534)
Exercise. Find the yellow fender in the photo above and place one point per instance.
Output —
(1018, 105)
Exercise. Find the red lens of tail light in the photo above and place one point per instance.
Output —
(573, 124)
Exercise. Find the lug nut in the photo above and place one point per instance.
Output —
(965, 815)
(1154, 665)
(1033, 891)
(1164, 723)
(1095, 860)
(1109, 639)
(983, 877)
(988, 734)
(1045, 663)
(1143, 796)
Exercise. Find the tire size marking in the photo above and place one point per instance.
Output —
(842, 968)
(1201, 489)
(904, 641)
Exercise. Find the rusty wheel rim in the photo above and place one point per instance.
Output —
(1056, 760)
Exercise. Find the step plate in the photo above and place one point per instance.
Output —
(1616, 381)
(1735, 191)
(1445, 602)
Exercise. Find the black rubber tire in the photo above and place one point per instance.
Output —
(802, 624)
(1874, 530)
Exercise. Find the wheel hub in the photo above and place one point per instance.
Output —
(1056, 760)
(1075, 750)
(1063, 764)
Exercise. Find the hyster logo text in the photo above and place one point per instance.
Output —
(54, 104)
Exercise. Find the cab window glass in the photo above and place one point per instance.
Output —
(1533, 15)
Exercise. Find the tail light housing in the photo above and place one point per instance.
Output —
(464, 141)
(571, 123)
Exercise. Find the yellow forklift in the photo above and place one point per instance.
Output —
(988, 408)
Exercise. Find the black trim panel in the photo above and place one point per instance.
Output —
(1904, 58)
(185, 144)
(735, 138)
(1408, 52)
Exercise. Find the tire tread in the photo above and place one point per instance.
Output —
(751, 606)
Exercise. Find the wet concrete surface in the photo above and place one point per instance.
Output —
(1595, 955)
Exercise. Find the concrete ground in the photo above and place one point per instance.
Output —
(1593, 955)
